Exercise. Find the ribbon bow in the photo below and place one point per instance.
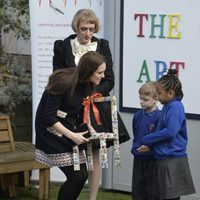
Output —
(86, 102)
(82, 49)
(79, 50)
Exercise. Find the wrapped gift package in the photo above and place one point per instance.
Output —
(100, 115)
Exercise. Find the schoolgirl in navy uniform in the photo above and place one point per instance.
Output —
(172, 172)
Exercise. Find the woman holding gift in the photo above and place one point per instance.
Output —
(56, 120)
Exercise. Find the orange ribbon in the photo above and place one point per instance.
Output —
(86, 102)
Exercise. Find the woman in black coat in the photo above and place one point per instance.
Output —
(56, 120)
(67, 54)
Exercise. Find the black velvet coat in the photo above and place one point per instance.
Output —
(63, 57)
(46, 116)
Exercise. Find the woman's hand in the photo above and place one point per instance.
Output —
(79, 138)
(143, 149)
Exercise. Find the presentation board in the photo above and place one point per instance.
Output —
(155, 36)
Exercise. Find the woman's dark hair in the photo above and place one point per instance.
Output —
(60, 81)
(170, 81)
(67, 79)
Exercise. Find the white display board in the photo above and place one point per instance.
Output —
(51, 20)
(157, 35)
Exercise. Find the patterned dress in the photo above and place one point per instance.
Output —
(52, 148)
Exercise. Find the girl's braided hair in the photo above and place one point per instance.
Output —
(171, 82)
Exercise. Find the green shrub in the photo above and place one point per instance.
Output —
(15, 83)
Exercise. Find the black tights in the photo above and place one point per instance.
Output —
(72, 187)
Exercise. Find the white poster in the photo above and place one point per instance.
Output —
(155, 36)
(51, 20)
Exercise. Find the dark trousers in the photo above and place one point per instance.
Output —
(72, 187)
(142, 179)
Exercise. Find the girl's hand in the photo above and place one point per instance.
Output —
(79, 138)
(143, 149)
